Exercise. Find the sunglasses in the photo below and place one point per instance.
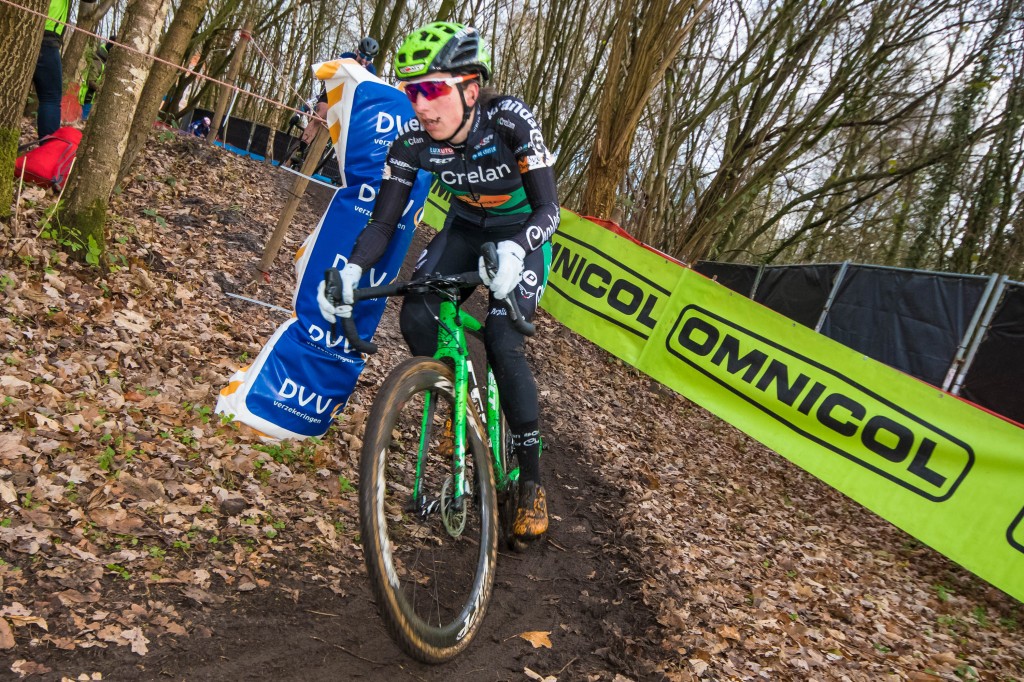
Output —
(432, 89)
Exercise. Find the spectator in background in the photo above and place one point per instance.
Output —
(93, 78)
(48, 79)
(364, 54)
(201, 127)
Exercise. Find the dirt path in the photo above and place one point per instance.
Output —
(577, 585)
(572, 586)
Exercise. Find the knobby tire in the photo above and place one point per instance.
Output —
(424, 608)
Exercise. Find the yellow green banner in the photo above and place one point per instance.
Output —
(948, 473)
(943, 470)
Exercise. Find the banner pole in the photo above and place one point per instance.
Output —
(313, 154)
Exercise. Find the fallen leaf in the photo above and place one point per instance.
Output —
(537, 638)
(131, 320)
(25, 668)
(6, 635)
(19, 620)
(137, 640)
(729, 632)
(7, 493)
(116, 520)
(10, 445)
(13, 384)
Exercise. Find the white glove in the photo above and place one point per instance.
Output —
(330, 311)
(350, 275)
(349, 279)
(510, 269)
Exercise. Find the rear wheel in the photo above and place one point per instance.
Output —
(430, 550)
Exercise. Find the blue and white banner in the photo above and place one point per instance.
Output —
(303, 376)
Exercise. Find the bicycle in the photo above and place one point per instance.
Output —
(435, 487)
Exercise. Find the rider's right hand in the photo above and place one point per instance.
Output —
(350, 275)
(330, 311)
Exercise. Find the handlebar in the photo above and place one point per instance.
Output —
(428, 283)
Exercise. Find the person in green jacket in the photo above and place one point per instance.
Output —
(48, 78)
(93, 78)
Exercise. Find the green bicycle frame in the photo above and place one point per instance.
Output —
(451, 344)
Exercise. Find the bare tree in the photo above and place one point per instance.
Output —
(161, 76)
(646, 40)
(103, 144)
(21, 34)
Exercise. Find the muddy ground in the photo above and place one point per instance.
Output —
(679, 549)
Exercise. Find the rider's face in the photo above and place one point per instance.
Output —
(441, 117)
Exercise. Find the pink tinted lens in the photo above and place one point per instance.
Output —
(430, 90)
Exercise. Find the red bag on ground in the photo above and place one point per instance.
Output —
(48, 164)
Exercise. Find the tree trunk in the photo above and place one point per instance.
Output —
(172, 48)
(445, 11)
(198, 59)
(647, 38)
(106, 136)
(22, 35)
(233, 68)
(89, 16)
(387, 40)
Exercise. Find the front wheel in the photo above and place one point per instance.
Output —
(430, 550)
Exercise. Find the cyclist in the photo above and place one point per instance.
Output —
(488, 151)
(201, 127)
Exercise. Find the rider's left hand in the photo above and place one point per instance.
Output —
(510, 269)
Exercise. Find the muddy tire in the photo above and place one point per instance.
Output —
(412, 523)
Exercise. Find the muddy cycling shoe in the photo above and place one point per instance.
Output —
(532, 513)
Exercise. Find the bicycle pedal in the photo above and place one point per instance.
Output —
(428, 507)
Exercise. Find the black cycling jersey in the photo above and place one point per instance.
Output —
(501, 180)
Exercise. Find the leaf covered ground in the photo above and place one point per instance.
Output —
(142, 537)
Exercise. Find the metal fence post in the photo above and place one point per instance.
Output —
(832, 295)
(961, 350)
(996, 292)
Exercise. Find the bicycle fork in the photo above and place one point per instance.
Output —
(453, 495)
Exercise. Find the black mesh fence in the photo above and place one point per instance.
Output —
(908, 319)
(916, 321)
(739, 278)
(254, 137)
(798, 292)
(237, 133)
(995, 378)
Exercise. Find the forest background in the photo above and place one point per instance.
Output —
(764, 131)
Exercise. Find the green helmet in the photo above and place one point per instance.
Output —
(443, 46)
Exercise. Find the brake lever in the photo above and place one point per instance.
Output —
(490, 254)
(333, 289)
